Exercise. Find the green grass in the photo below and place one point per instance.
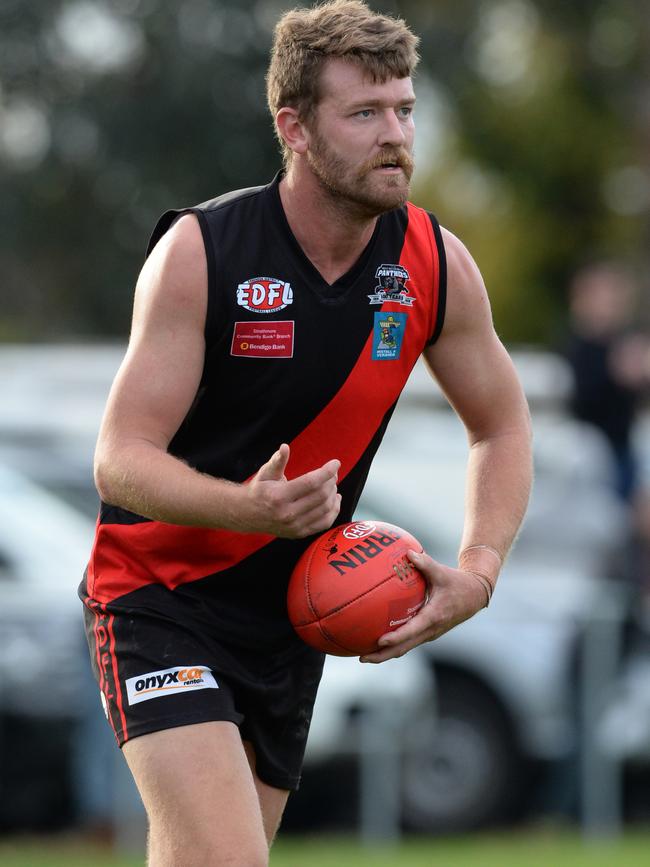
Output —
(532, 848)
(515, 849)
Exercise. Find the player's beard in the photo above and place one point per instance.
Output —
(361, 189)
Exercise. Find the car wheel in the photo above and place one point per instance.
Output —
(460, 770)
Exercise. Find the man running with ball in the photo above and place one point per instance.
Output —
(255, 391)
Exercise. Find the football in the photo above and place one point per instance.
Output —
(354, 583)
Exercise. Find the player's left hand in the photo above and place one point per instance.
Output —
(454, 596)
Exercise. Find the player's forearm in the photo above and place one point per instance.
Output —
(142, 478)
(499, 479)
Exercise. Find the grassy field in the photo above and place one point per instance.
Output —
(533, 848)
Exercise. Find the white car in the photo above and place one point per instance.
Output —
(44, 546)
(478, 705)
(44, 680)
(505, 681)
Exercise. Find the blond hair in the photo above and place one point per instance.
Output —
(306, 38)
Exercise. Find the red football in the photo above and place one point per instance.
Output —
(353, 584)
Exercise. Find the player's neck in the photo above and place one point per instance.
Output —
(331, 235)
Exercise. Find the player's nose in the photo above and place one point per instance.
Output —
(392, 132)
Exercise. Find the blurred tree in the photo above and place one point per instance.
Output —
(546, 160)
(533, 141)
(109, 114)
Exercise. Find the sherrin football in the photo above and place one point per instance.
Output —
(354, 583)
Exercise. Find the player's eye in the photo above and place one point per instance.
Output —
(365, 112)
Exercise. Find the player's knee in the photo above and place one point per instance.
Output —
(207, 852)
(244, 856)
(206, 844)
(258, 858)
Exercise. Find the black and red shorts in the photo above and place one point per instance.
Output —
(159, 672)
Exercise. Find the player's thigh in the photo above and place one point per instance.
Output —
(272, 800)
(200, 796)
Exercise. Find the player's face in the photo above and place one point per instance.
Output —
(361, 138)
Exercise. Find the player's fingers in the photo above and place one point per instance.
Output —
(413, 630)
(321, 518)
(422, 561)
(424, 626)
(391, 652)
(322, 498)
(314, 480)
(431, 569)
(317, 520)
(273, 469)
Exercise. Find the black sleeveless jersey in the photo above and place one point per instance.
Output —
(290, 359)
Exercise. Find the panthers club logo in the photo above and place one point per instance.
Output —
(391, 286)
(264, 294)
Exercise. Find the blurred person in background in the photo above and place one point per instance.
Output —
(624, 729)
(93, 766)
(631, 564)
(207, 687)
(610, 360)
(609, 355)
(641, 554)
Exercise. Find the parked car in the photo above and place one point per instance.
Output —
(505, 681)
(479, 705)
(47, 699)
(43, 546)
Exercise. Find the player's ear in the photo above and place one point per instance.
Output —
(292, 129)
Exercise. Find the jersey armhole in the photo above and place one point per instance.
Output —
(442, 281)
(211, 312)
(163, 225)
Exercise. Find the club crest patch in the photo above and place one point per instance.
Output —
(391, 286)
(264, 294)
(388, 335)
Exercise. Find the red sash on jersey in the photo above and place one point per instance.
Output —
(128, 556)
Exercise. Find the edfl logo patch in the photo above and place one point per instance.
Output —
(264, 294)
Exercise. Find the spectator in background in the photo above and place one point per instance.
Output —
(638, 561)
(610, 360)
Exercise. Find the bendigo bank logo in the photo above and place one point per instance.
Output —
(264, 294)
(169, 681)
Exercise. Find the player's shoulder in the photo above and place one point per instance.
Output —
(244, 196)
(421, 220)
(211, 210)
(467, 300)
(462, 270)
(181, 242)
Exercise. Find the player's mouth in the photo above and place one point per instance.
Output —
(392, 163)
(388, 168)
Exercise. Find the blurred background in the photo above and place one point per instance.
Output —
(533, 145)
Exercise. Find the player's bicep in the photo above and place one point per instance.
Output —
(468, 360)
(159, 377)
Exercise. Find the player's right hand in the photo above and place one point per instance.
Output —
(291, 509)
(454, 596)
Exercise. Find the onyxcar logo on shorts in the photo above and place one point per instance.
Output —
(264, 294)
(169, 681)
